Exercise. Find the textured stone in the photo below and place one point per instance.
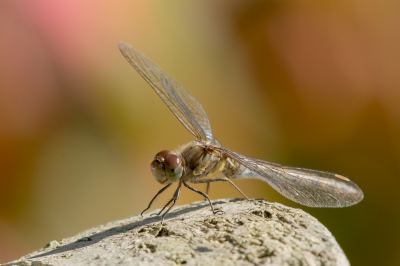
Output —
(247, 232)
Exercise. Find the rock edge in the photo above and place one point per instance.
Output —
(247, 232)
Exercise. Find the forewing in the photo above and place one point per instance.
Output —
(305, 186)
(184, 106)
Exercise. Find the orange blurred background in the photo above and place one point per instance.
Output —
(301, 83)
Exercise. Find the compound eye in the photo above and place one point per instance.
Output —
(157, 166)
(173, 167)
(166, 167)
(162, 155)
(172, 161)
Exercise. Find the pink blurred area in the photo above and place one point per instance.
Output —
(307, 84)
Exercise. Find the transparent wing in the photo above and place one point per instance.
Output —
(184, 106)
(308, 187)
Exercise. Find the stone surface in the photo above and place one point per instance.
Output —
(247, 232)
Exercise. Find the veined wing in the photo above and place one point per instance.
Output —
(305, 186)
(184, 106)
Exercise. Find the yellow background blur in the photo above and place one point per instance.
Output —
(313, 84)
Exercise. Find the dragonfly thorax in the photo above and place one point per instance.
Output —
(166, 167)
(201, 160)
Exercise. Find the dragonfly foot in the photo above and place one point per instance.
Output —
(217, 211)
(259, 199)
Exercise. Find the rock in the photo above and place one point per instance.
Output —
(246, 232)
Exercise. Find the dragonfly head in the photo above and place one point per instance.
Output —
(166, 167)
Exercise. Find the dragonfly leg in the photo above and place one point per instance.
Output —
(158, 193)
(203, 194)
(163, 208)
(221, 179)
(173, 200)
(207, 190)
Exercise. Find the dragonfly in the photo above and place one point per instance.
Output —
(204, 160)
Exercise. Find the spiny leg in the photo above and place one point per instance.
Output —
(174, 199)
(163, 208)
(158, 193)
(207, 190)
(224, 179)
(201, 193)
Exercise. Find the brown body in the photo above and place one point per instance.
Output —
(204, 161)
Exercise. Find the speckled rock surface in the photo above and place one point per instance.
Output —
(248, 232)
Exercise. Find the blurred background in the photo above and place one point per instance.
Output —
(303, 83)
